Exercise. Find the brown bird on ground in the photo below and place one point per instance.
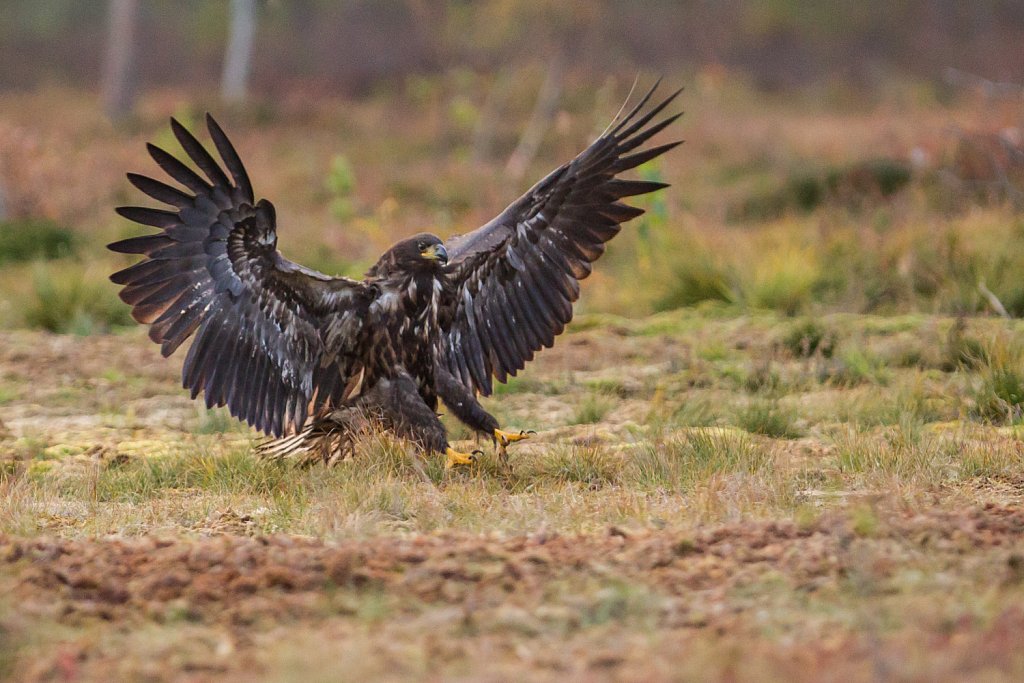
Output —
(310, 359)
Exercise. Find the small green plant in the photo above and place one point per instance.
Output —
(768, 418)
(696, 277)
(903, 450)
(809, 337)
(591, 465)
(763, 378)
(865, 521)
(149, 477)
(215, 421)
(695, 412)
(592, 408)
(680, 462)
(621, 601)
(785, 281)
(73, 299)
(857, 366)
(30, 239)
(990, 459)
(961, 350)
(340, 184)
(522, 385)
(999, 394)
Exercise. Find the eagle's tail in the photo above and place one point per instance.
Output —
(328, 439)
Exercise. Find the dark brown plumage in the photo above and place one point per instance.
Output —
(293, 352)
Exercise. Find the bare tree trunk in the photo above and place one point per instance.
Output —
(238, 56)
(119, 66)
(483, 131)
(540, 119)
(3, 197)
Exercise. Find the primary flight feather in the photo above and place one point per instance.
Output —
(311, 358)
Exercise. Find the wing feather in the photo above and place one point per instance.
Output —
(518, 276)
(213, 271)
(160, 191)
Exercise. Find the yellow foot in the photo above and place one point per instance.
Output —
(505, 438)
(455, 458)
(502, 440)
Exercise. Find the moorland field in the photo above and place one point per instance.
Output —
(782, 439)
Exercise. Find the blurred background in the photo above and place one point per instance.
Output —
(851, 156)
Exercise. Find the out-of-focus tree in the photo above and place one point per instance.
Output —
(362, 46)
(543, 112)
(119, 66)
(3, 197)
(234, 83)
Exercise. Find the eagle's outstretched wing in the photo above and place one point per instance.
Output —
(271, 337)
(518, 276)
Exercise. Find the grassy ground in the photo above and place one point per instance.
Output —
(782, 441)
(699, 484)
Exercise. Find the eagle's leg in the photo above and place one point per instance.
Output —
(404, 411)
(470, 412)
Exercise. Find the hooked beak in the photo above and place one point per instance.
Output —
(436, 252)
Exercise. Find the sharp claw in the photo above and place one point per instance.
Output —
(454, 458)
(505, 438)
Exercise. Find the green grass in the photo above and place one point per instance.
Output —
(696, 412)
(593, 466)
(856, 365)
(988, 459)
(680, 462)
(235, 472)
(768, 418)
(785, 281)
(216, 421)
(33, 239)
(72, 298)
(808, 337)
(903, 451)
(999, 390)
(593, 408)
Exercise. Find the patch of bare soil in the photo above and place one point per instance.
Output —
(492, 597)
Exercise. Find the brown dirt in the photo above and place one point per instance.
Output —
(709, 589)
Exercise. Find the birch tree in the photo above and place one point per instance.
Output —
(118, 85)
(234, 82)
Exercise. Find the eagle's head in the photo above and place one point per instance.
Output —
(422, 253)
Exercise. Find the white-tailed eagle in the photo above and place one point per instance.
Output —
(299, 354)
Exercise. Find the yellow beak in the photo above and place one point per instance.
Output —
(435, 252)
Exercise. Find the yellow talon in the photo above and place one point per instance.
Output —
(455, 458)
(502, 440)
(505, 438)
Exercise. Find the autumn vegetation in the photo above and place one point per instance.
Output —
(782, 440)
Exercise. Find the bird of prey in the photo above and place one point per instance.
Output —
(308, 358)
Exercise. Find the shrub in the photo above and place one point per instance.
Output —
(696, 276)
(768, 418)
(695, 457)
(850, 186)
(999, 394)
(592, 409)
(808, 337)
(591, 465)
(73, 299)
(857, 366)
(34, 238)
(785, 281)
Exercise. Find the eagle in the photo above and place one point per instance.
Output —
(308, 358)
